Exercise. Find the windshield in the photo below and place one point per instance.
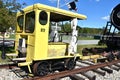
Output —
(30, 22)
(20, 20)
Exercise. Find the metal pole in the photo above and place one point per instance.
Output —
(3, 47)
(58, 3)
(56, 39)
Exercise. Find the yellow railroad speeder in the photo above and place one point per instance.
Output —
(39, 48)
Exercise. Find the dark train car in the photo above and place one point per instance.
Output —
(110, 37)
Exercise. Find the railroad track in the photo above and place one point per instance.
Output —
(82, 67)
(8, 65)
(10, 71)
(81, 70)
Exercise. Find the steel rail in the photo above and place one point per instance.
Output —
(75, 71)
(8, 66)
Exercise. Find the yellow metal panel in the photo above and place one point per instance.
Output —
(95, 56)
(57, 49)
(90, 57)
(41, 40)
(55, 10)
(24, 63)
(17, 36)
(30, 47)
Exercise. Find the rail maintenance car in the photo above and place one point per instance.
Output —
(40, 48)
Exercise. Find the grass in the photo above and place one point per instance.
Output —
(7, 50)
(85, 38)
(12, 36)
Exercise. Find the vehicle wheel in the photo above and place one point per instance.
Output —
(41, 68)
(70, 64)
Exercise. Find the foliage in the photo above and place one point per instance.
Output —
(7, 50)
(91, 30)
(66, 28)
(8, 9)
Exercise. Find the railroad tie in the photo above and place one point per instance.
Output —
(114, 67)
(75, 77)
(118, 65)
(107, 70)
(89, 75)
(100, 72)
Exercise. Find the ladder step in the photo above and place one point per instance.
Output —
(24, 63)
(11, 54)
(19, 59)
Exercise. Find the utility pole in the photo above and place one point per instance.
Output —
(58, 3)
(55, 32)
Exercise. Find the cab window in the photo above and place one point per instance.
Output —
(43, 18)
(20, 20)
(30, 22)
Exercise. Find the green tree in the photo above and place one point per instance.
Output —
(8, 9)
(66, 28)
(79, 29)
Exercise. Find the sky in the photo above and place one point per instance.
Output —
(97, 11)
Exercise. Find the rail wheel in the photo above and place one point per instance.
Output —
(41, 68)
(70, 64)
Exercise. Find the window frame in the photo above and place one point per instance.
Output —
(43, 21)
(27, 25)
(19, 28)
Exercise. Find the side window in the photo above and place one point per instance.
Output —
(30, 22)
(43, 18)
(20, 20)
